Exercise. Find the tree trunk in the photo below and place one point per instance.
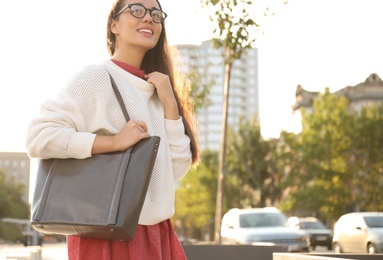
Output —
(222, 155)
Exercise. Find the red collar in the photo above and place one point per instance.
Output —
(132, 70)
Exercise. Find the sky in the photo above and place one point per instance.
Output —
(314, 43)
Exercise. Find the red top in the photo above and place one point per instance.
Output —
(133, 70)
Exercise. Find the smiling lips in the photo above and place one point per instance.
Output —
(146, 31)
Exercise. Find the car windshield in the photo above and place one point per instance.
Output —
(311, 225)
(262, 219)
(374, 221)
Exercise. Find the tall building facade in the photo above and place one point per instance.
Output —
(17, 167)
(243, 93)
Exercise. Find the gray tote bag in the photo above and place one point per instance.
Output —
(98, 197)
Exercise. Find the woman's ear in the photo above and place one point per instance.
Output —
(114, 27)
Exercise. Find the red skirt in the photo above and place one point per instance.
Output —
(157, 242)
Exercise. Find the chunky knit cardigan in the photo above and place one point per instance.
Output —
(88, 106)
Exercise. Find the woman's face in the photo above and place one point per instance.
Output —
(134, 33)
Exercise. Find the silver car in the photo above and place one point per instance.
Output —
(262, 226)
(359, 232)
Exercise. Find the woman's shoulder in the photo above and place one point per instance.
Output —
(90, 74)
(89, 78)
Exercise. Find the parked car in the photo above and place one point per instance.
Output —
(262, 226)
(319, 234)
(359, 232)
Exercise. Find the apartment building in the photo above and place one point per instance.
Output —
(243, 93)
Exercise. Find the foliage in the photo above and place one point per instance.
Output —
(335, 165)
(11, 206)
(250, 160)
(199, 90)
(10, 232)
(253, 181)
(323, 155)
(234, 29)
(11, 203)
(367, 159)
(195, 199)
(233, 35)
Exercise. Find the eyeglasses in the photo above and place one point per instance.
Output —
(139, 11)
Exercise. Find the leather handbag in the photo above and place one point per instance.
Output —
(98, 197)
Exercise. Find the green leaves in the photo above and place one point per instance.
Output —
(340, 155)
(195, 198)
(234, 29)
(11, 206)
(334, 166)
(11, 202)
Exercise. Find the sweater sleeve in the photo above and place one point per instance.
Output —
(62, 129)
(179, 144)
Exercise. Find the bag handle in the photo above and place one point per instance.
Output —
(119, 98)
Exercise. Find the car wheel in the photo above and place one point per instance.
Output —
(371, 249)
(337, 248)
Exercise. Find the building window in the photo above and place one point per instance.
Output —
(22, 164)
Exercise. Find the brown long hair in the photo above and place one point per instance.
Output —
(159, 59)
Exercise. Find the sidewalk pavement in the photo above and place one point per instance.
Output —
(54, 251)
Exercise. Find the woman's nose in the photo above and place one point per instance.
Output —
(148, 16)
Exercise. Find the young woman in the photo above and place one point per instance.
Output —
(86, 119)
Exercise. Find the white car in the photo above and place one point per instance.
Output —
(262, 226)
(359, 232)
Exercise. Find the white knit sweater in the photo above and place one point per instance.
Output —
(88, 106)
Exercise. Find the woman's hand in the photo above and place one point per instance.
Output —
(165, 92)
(133, 132)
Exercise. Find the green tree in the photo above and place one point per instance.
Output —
(335, 165)
(250, 160)
(12, 205)
(288, 155)
(200, 86)
(367, 159)
(233, 33)
(195, 201)
(323, 181)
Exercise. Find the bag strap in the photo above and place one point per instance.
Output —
(119, 98)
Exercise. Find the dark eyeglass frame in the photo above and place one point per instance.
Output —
(163, 14)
